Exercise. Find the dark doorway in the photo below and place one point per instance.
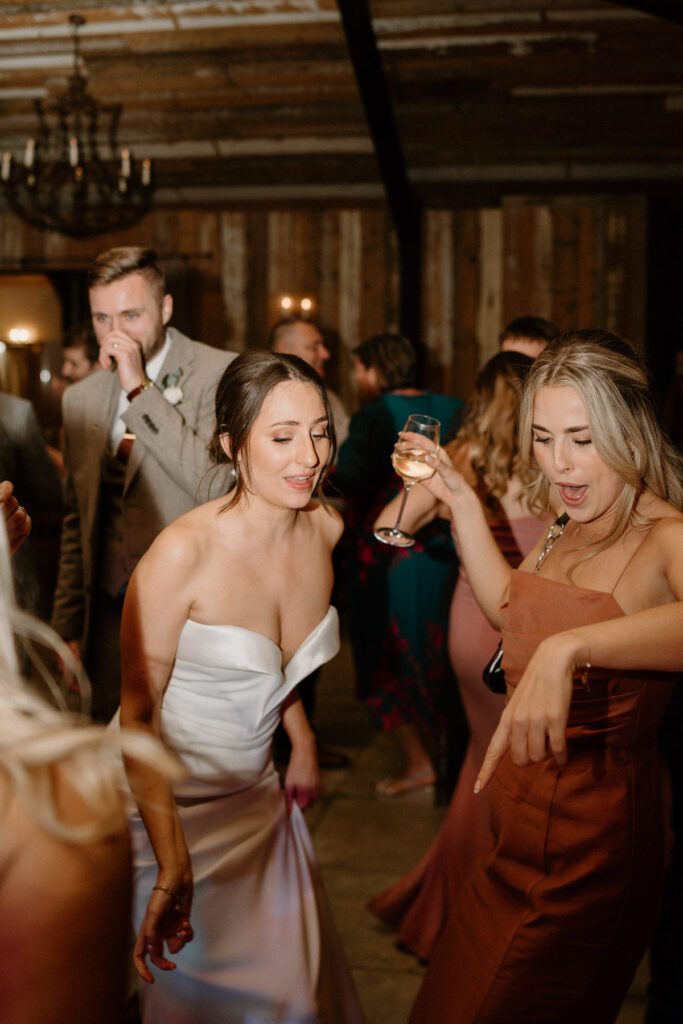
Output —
(665, 311)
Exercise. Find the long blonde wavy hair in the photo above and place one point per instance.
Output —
(490, 427)
(37, 738)
(615, 390)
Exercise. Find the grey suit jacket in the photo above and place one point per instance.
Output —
(23, 456)
(167, 474)
(24, 460)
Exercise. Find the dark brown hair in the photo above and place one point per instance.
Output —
(535, 327)
(241, 392)
(394, 358)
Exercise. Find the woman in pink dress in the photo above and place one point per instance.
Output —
(485, 452)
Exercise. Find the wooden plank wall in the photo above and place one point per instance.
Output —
(580, 261)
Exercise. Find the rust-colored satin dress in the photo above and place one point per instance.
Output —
(552, 924)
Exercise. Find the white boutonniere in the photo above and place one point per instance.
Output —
(170, 388)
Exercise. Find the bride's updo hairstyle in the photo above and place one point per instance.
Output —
(241, 392)
(624, 429)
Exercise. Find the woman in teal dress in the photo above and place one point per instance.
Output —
(398, 598)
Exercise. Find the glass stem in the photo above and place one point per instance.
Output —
(406, 492)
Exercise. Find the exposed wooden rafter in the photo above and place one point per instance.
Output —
(401, 196)
(671, 10)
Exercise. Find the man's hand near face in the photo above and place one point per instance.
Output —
(119, 352)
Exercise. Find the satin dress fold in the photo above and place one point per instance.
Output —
(265, 949)
(553, 923)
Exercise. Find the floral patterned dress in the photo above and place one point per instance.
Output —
(397, 598)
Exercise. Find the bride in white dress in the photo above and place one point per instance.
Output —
(227, 611)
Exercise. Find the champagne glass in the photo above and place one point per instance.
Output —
(409, 461)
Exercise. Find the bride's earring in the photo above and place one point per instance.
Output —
(225, 444)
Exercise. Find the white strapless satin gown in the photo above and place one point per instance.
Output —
(265, 949)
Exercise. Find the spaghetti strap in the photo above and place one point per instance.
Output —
(628, 562)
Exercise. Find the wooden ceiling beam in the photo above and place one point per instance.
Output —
(402, 198)
(669, 10)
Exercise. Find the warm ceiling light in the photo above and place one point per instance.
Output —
(306, 305)
(286, 303)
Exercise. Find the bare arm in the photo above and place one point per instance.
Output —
(64, 956)
(302, 780)
(157, 605)
(16, 518)
(488, 572)
(535, 719)
(423, 507)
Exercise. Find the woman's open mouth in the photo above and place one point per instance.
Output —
(572, 494)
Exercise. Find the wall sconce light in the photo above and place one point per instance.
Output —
(19, 335)
(292, 304)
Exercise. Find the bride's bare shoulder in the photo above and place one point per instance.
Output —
(186, 541)
(326, 519)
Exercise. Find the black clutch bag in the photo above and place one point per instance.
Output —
(493, 675)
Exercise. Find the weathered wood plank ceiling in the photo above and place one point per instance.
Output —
(240, 100)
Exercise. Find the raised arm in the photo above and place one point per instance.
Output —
(177, 436)
(157, 604)
(487, 570)
(422, 506)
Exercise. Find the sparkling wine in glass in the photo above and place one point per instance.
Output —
(409, 461)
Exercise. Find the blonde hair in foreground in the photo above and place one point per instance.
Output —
(623, 425)
(37, 739)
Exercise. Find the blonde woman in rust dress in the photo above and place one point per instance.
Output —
(551, 925)
(485, 452)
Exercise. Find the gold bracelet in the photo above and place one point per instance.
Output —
(163, 888)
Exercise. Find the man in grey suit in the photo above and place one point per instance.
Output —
(135, 448)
